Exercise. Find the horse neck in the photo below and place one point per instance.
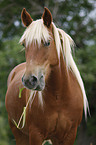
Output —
(58, 81)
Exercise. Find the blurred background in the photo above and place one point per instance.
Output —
(75, 17)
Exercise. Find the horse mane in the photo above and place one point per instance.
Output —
(37, 32)
(67, 53)
(64, 43)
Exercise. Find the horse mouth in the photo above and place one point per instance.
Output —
(39, 88)
(36, 87)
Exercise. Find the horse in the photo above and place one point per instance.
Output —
(53, 92)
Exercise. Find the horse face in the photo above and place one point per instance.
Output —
(40, 58)
(37, 67)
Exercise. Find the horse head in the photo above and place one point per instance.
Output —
(40, 49)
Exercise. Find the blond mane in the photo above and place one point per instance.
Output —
(37, 32)
(66, 50)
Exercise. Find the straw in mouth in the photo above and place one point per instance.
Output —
(23, 115)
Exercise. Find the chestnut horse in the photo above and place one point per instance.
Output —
(55, 108)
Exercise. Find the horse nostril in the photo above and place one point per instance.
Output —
(41, 78)
(33, 79)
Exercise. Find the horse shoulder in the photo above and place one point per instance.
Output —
(14, 104)
(14, 71)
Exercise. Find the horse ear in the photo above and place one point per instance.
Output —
(47, 17)
(26, 18)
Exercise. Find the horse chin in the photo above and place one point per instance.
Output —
(37, 88)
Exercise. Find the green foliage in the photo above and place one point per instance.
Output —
(92, 126)
(86, 60)
(10, 56)
(71, 16)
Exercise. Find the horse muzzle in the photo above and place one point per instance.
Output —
(34, 83)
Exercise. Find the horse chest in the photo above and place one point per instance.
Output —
(58, 124)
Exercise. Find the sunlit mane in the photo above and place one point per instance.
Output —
(37, 32)
(63, 43)
(67, 42)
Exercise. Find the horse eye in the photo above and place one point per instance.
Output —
(47, 43)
